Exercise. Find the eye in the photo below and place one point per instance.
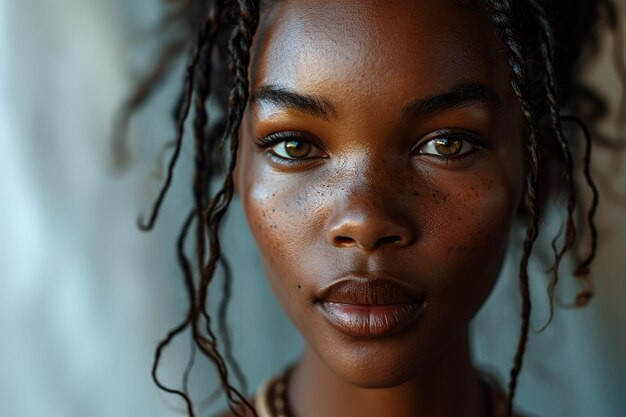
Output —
(292, 149)
(449, 144)
(290, 146)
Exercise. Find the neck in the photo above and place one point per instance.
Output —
(448, 388)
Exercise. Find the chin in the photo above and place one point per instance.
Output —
(386, 378)
(375, 363)
(387, 362)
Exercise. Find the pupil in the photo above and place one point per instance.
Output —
(448, 147)
(297, 149)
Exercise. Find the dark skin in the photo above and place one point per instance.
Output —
(396, 152)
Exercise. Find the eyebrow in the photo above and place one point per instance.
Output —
(315, 106)
(460, 95)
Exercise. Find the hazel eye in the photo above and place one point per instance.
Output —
(292, 149)
(446, 147)
(449, 145)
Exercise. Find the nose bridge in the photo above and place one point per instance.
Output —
(370, 174)
(370, 191)
(370, 210)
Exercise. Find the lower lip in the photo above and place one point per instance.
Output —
(371, 321)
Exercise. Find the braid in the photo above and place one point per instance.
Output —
(536, 60)
(185, 266)
(188, 93)
(582, 271)
(182, 258)
(550, 85)
(204, 148)
(208, 215)
(239, 49)
(502, 18)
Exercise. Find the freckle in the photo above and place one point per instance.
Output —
(416, 194)
(460, 218)
(449, 250)
(299, 286)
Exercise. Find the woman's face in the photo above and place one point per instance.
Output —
(380, 168)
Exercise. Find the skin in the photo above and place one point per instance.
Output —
(370, 197)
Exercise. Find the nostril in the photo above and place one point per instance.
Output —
(343, 241)
(389, 240)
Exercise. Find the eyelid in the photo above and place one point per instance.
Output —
(281, 136)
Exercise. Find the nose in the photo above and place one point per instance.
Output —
(369, 221)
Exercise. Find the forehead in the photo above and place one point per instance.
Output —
(373, 48)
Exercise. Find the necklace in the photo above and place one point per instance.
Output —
(271, 400)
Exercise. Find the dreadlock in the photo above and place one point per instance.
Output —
(544, 41)
(530, 40)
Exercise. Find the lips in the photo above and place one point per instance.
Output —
(366, 307)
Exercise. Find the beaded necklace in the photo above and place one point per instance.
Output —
(271, 400)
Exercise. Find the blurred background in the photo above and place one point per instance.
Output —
(85, 296)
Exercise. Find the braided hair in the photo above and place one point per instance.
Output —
(544, 41)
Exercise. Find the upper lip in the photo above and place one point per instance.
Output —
(369, 290)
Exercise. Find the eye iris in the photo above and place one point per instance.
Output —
(297, 149)
(448, 146)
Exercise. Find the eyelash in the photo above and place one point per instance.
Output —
(267, 142)
(278, 137)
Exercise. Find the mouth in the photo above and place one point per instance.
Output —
(370, 307)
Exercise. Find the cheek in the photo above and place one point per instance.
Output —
(282, 217)
(280, 212)
(472, 216)
(275, 220)
(468, 233)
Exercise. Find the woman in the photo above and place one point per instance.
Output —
(382, 151)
